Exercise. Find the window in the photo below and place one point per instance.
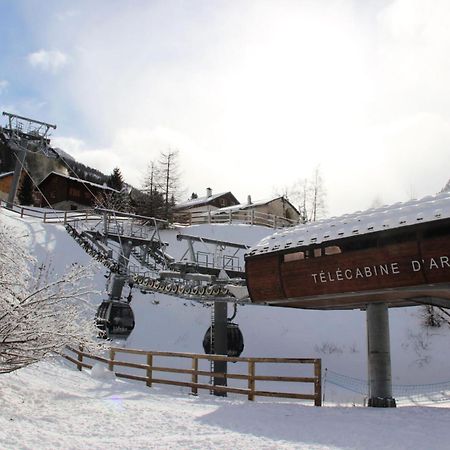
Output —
(332, 250)
(297, 256)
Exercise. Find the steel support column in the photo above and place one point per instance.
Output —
(220, 344)
(118, 279)
(379, 356)
(20, 155)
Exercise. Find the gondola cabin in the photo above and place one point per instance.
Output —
(399, 255)
(115, 319)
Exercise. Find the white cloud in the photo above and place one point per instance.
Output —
(48, 60)
(3, 85)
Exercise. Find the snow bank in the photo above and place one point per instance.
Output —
(51, 405)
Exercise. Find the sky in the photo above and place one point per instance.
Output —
(255, 95)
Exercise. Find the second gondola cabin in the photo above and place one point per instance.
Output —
(397, 254)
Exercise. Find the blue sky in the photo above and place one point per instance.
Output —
(254, 94)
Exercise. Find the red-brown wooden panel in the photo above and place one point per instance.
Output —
(263, 278)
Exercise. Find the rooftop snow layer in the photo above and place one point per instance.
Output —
(198, 201)
(242, 206)
(79, 180)
(362, 222)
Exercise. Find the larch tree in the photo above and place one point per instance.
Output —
(161, 186)
(310, 196)
(169, 179)
(40, 314)
(151, 203)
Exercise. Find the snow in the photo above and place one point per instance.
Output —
(79, 180)
(398, 215)
(63, 154)
(52, 405)
(199, 201)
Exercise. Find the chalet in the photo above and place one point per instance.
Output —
(279, 207)
(69, 193)
(6, 182)
(200, 205)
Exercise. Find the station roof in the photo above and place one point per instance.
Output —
(372, 220)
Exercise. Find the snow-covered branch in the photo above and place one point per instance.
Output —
(40, 314)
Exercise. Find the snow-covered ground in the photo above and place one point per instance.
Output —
(52, 405)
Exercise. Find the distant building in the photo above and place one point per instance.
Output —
(275, 208)
(198, 206)
(69, 193)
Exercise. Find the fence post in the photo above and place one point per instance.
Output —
(252, 216)
(318, 382)
(194, 375)
(230, 217)
(80, 358)
(251, 380)
(149, 369)
(21, 213)
(112, 354)
(65, 217)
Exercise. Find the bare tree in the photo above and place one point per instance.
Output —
(310, 196)
(317, 196)
(151, 202)
(40, 314)
(169, 179)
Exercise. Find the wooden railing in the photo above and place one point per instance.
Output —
(52, 216)
(150, 366)
(250, 217)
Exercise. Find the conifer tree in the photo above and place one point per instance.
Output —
(25, 195)
(115, 180)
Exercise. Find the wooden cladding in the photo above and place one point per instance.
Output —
(153, 369)
(391, 267)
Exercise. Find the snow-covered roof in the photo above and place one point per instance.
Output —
(253, 204)
(199, 201)
(63, 154)
(79, 180)
(362, 222)
(3, 175)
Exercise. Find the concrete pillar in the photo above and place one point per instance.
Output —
(220, 344)
(379, 356)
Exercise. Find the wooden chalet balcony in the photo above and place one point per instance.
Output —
(249, 217)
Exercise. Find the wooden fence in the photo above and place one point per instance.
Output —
(150, 367)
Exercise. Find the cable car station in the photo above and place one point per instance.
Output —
(394, 256)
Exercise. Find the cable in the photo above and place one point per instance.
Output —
(34, 182)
